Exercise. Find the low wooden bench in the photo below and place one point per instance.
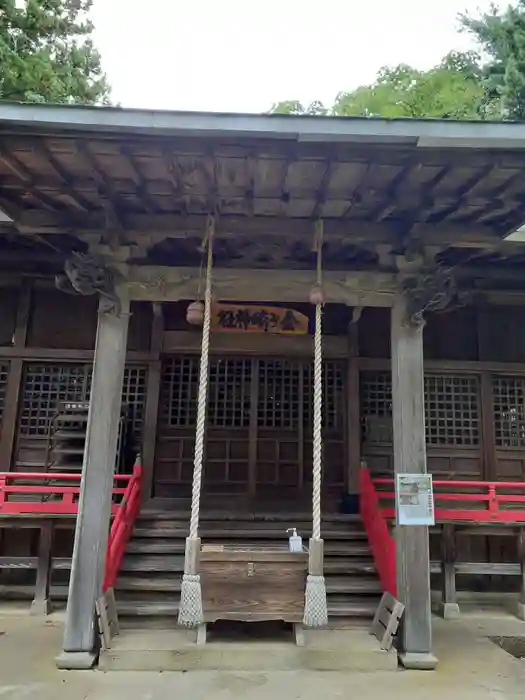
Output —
(449, 567)
(44, 563)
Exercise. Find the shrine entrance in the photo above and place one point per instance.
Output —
(259, 428)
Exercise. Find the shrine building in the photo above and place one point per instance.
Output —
(217, 327)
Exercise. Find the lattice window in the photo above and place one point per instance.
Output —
(279, 394)
(333, 395)
(134, 398)
(4, 373)
(45, 385)
(452, 410)
(229, 393)
(376, 407)
(452, 413)
(509, 411)
(180, 385)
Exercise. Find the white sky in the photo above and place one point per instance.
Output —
(241, 56)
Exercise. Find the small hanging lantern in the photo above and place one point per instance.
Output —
(195, 313)
(317, 295)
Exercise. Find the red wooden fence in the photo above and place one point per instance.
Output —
(465, 501)
(57, 495)
(45, 493)
(454, 501)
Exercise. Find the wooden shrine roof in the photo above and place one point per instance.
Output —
(149, 178)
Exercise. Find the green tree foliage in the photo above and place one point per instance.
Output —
(47, 55)
(450, 90)
(501, 36)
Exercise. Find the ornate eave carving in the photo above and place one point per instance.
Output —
(430, 289)
(88, 274)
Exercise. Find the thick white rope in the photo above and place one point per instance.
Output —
(318, 423)
(202, 397)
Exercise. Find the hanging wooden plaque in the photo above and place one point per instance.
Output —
(238, 318)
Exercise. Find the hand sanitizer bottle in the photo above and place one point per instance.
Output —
(295, 541)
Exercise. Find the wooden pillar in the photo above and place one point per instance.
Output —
(449, 604)
(94, 509)
(413, 564)
(14, 379)
(41, 604)
(152, 403)
(520, 607)
(353, 411)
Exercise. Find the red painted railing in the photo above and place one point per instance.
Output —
(122, 527)
(46, 493)
(465, 501)
(381, 541)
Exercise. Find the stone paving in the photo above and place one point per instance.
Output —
(471, 668)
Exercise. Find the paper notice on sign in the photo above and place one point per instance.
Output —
(414, 499)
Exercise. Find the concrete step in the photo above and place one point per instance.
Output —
(176, 650)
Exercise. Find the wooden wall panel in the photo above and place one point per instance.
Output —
(8, 308)
(61, 320)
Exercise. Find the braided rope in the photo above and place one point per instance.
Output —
(317, 427)
(202, 398)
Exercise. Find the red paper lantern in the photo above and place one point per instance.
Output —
(195, 313)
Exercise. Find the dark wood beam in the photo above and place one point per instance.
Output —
(151, 229)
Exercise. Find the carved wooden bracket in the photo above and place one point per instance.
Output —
(430, 289)
(88, 274)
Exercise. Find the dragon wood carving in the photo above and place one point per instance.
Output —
(431, 290)
(88, 274)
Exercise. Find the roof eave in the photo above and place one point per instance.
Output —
(416, 132)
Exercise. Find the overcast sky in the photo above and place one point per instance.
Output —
(241, 56)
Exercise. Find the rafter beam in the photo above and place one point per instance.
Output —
(20, 171)
(159, 227)
(108, 195)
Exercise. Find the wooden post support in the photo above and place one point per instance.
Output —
(152, 403)
(94, 508)
(353, 406)
(520, 607)
(413, 565)
(41, 604)
(449, 607)
(14, 379)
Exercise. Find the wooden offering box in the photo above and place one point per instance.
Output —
(253, 585)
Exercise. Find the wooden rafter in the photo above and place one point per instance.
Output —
(68, 193)
(22, 173)
(356, 195)
(463, 192)
(138, 178)
(322, 189)
(108, 194)
(390, 204)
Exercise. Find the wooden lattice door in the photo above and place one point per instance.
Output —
(258, 429)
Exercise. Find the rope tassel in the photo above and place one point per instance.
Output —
(315, 607)
(190, 609)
